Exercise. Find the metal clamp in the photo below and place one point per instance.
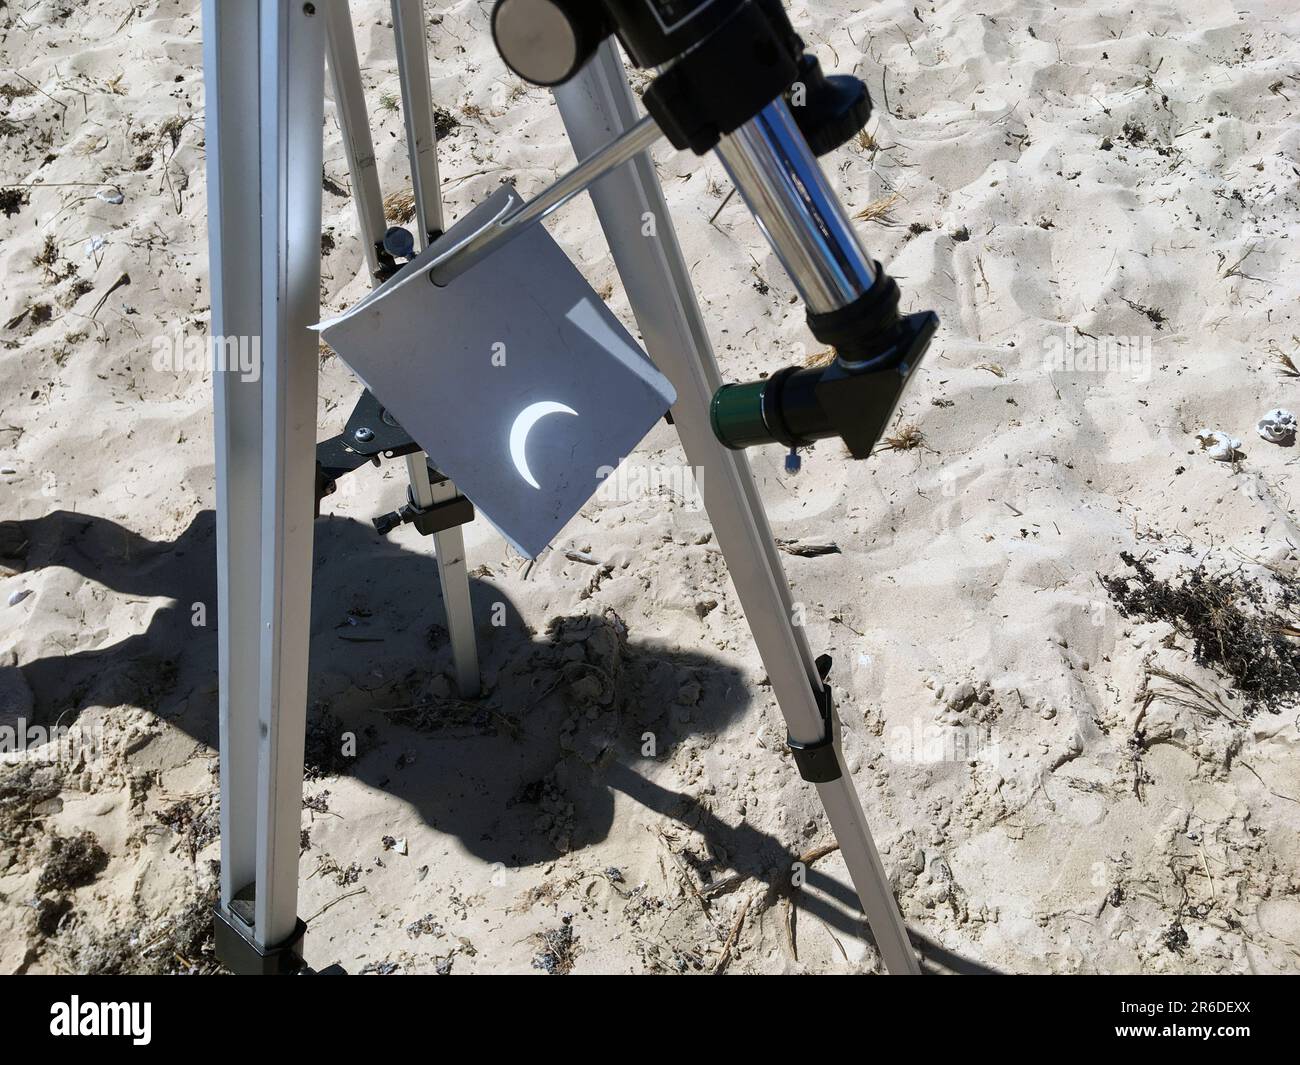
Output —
(822, 760)
(435, 518)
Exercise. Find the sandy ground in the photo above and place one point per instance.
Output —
(1054, 787)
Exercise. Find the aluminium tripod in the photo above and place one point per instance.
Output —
(267, 60)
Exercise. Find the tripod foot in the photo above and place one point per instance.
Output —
(238, 953)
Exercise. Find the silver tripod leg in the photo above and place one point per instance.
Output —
(354, 124)
(349, 95)
(264, 69)
(422, 147)
(417, 113)
(596, 106)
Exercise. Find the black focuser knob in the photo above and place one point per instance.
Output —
(829, 110)
(546, 42)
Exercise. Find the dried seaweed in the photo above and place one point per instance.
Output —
(71, 862)
(1235, 625)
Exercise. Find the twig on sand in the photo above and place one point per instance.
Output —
(125, 279)
(1206, 699)
(345, 895)
(817, 853)
(723, 204)
(792, 906)
(727, 947)
(1287, 366)
(59, 104)
(681, 869)
(1255, 773)
(789, 928)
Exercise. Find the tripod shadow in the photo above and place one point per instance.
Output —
(558, 707)
(142, 669)
(519, 776)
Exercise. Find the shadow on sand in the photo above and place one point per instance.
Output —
(563, 714)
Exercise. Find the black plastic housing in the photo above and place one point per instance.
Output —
(797, 406)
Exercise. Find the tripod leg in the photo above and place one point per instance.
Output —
(453, 574)
(422, 146)
(417, 111)
(292, 111)
(264, 71)
(350, 104)
(597, 105)
(230, 53)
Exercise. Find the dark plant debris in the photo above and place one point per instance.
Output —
(72, 861)
(12, 200)
(559, 950)
(1236, 625)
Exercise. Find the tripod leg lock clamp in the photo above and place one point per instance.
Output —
(439, 517)
(238, 953)
(435, 518)
(821, 761)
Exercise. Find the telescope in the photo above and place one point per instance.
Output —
(732, 77)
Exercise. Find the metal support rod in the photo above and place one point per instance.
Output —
(785, 189)
(604, 159)
(417, 111)
(354, 123)
(292, 102)
(422, 149)
(598, 104)
(230, 89)
(453, 576)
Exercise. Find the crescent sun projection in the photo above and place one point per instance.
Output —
(527, 418)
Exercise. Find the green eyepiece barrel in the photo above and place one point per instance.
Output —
(781, 409)
(736, 414)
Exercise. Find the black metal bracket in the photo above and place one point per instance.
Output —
(821, 761)
(371, 433)
(388, 266)
(435, 518)
(725, 79)
(237, 951)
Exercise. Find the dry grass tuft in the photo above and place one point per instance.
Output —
(878, 210)
(907, 438)
(399, 206)
(1286, 365)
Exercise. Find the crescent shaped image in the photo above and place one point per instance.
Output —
(527, 418)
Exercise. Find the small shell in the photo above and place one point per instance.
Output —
(1218, 445)
(18, 596)
(1277, 427)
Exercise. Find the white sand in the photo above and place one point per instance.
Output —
(971, 560)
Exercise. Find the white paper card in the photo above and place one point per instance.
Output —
(515, 377)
